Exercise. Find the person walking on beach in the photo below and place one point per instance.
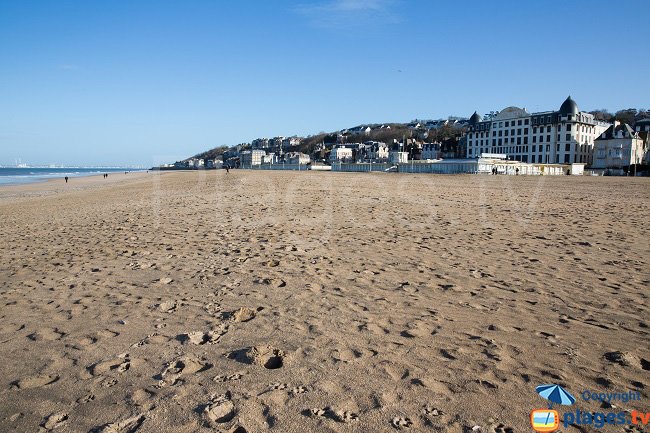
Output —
(227, 170)
(66, 179)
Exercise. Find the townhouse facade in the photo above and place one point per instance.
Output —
(552, 137)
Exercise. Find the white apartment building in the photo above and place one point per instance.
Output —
(620, 146)
(552, 137)
(340, 154)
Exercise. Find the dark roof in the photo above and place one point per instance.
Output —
(476, 118)
(610, 133)
(569, 107)
(643, 121)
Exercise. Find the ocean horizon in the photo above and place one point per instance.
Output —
(23, 175)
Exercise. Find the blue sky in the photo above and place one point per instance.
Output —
(142, 82)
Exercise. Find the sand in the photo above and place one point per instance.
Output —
(318, 302)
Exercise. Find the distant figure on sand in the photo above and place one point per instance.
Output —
(66, 179)
(517, 171)
(227, 170)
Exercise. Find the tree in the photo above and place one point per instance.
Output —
(603, 115)
(626, 116)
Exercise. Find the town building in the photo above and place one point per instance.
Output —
(297, 158)
(290, 142)
(376, 151)
(249, 158)
(431, 151)
(562, 137)
(397, 157)
(341, 154)
(618, 147)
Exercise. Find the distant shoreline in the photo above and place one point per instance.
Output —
(30, 175)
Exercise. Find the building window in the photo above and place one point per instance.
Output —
(518, 140)
(519, 122)
(505, 132)
(525, 121)
(568, 127)
(567, 148)
(526, 139)
(534, 139)
(548, 138)
(568, 137)
(507, 123)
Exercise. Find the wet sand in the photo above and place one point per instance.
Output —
(324, 302)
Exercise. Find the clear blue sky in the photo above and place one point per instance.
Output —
(141, 82)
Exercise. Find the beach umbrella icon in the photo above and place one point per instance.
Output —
(555, 394)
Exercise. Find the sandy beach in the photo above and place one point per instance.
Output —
(319, 302)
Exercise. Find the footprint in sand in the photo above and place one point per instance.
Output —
(400, 422)
(86, 399)
(183, 366)
(220, 409)
(154, 338)
(278, 386)
(200, 337)
(46, 334)
(224, 378)
(119, 364)
(141, 396)
(265, 356)
(55, 420)
(108, 382)
(244, 314)
(34, 381)
(274, 282)
(129, 425)
(107, 333)
(503, 429)
(336, 415)
(167, 306)
(84, 342)
(432, 411)
(298, 390)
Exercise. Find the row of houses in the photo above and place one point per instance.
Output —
(563, 136)
(276, 143)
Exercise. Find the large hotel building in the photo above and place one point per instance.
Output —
(560, 137)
